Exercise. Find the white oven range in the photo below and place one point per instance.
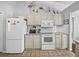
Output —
(48, 41)
(47, 35)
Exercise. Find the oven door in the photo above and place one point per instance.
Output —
(48, 39)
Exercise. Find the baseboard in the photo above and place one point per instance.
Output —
(12, 51)
(32, 48)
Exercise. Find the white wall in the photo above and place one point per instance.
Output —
(66, 13)
(71, 8)
(63, 29)
(6, 8)
(20, 9)
(1, 31)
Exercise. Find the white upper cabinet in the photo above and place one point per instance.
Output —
(61, 19)
(58, 18)
(43, 14)
(37, 18)
(50, 16)
(34, 17)
(31, 17)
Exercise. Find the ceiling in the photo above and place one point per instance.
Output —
(58, 5)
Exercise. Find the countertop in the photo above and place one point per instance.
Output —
(42, 33)
(76, 40)
(33, 34)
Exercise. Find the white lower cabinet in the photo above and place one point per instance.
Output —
(28, 42)
(61, 41)
(37, 42)
(58, 41)
(64, 41)
(32, 41)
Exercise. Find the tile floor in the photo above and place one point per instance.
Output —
(40, 53)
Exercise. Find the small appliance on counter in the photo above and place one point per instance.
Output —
(34, 29)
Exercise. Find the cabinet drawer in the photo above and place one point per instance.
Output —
(77, 52)
(77, 46)
(58, 37)
(48, 47)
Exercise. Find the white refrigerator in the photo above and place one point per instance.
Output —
(1, 31)
(15, 30)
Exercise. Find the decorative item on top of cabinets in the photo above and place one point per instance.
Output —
(66, 21)
(31, 15)
(50, 15)
(41, 8)
(37, 14)
(42, 13)
(58, 18)
(34, 16)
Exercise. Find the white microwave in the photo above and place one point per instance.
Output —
(47, 23)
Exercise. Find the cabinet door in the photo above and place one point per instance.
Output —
(58, 41)
(36, 42)
(77, 49)
(64, 41)
(56, 20)
(43, 15)
(50, 16)
(31, 17)
(37, 19)
(26, 42)
(29, 42)
(60, 19)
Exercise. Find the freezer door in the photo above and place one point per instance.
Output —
(13, 29)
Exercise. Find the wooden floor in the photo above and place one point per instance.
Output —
(40, 53)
